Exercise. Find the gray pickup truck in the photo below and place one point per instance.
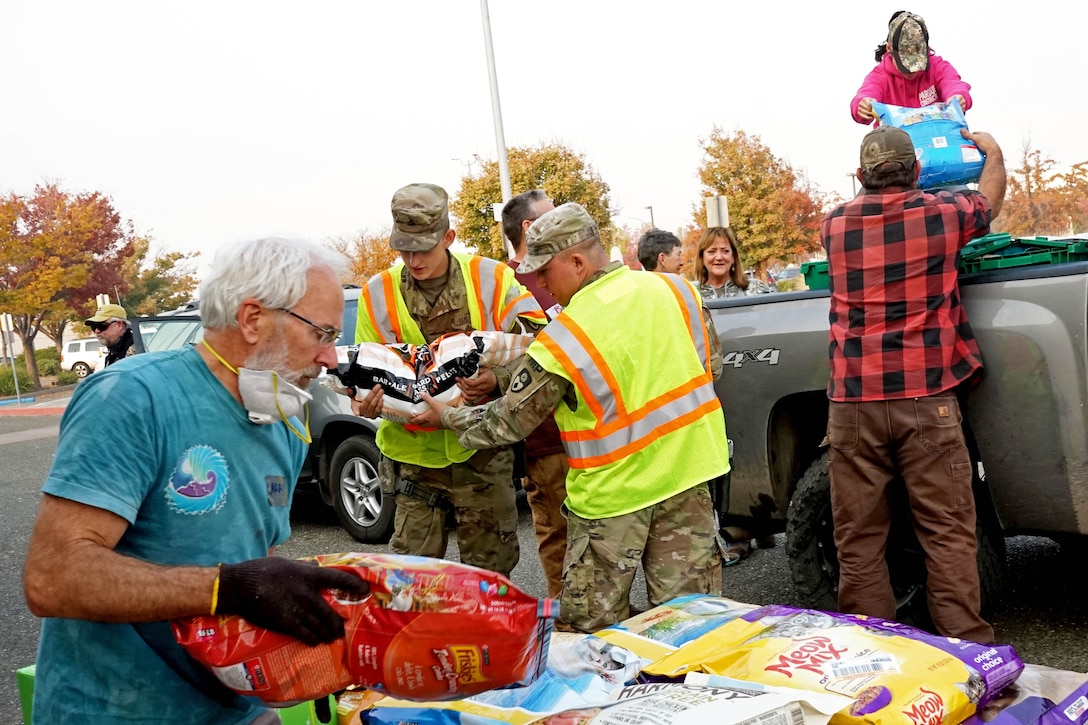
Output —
(1029, 416)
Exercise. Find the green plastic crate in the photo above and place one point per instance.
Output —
(1001, 251)
(815, 274)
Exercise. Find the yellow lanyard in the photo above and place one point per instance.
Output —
(307, 438)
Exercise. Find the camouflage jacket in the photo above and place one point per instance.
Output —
(532, 396)
(755, 287)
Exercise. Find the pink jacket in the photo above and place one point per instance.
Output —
(886, 84)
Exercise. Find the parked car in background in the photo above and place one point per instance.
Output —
(81, 357)
(343, 459)
(790, 279)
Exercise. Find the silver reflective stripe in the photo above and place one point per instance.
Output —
(525, 306)
(376, 292)
(582, 360)
(694, 305)
(640, 430)
(646, 421)
(486, 289)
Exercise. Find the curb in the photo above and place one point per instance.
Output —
(30, 411)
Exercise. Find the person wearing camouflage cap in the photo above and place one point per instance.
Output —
(642, 429)
(902, 354)
(908, 72)
(441, 486)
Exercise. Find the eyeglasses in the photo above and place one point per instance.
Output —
(328, 334)
(100, 326)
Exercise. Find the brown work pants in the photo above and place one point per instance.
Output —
(546, 489)
(921, 441)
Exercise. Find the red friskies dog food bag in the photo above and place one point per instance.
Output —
(429, 630)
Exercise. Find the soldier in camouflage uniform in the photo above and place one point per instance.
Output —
(438, 484)
(645, 500)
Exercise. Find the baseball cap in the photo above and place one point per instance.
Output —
(886, 145)
(420, 217)
(559, 229)
(105, 313)
(909, 42)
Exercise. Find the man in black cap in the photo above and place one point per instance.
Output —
(901, 347)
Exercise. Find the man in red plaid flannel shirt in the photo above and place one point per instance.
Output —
(900, 346)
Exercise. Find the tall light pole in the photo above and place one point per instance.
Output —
(496, 115)
(654, 226)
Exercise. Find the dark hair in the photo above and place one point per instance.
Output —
(883, 47)
(736, 274)
(653, 243)
(900, 177)
(517, 210)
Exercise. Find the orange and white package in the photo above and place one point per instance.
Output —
(430, 629)
(892, 672)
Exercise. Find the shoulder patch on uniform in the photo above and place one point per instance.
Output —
(520, 382)
(534, 365)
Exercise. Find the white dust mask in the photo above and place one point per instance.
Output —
(267, 397)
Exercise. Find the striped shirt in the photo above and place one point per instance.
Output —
(898, 328)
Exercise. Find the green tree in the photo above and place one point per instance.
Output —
(561, 172)
(774, 211)
(164, 282)
(367, 253)
(58, 251)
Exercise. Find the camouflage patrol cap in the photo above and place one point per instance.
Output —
(886, 150)
(559, 229)
(908, 39)
(421, 217)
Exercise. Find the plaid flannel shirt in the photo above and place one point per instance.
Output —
(898, 328)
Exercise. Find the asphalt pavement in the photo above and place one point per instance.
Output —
(1042, 612)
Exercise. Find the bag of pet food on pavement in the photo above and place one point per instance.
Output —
(430, 629)
(894, 673)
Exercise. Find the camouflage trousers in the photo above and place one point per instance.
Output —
(675, 540)
(484, 511)
(546, 489)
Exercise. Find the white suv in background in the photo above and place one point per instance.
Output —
(82, 357)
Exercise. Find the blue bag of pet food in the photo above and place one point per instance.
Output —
(946, 157)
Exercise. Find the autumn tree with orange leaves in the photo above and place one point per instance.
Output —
(59, 250)
(1040, 201)
(367, 254)
(774, 211)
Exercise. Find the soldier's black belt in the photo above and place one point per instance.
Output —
(433, 498)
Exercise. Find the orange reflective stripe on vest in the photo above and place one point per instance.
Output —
(380, 299)
(691, 305)
(619, 432)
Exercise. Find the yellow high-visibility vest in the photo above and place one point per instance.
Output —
(495, 301)
(648, 424)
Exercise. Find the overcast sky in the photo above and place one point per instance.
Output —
(208, 122)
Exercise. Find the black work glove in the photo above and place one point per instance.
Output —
(284, 595)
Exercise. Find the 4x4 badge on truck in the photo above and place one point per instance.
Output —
(768, 355)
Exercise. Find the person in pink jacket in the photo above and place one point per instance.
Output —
(908, 72)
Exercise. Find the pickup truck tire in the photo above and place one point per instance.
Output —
(361, 507)
(813, 556)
